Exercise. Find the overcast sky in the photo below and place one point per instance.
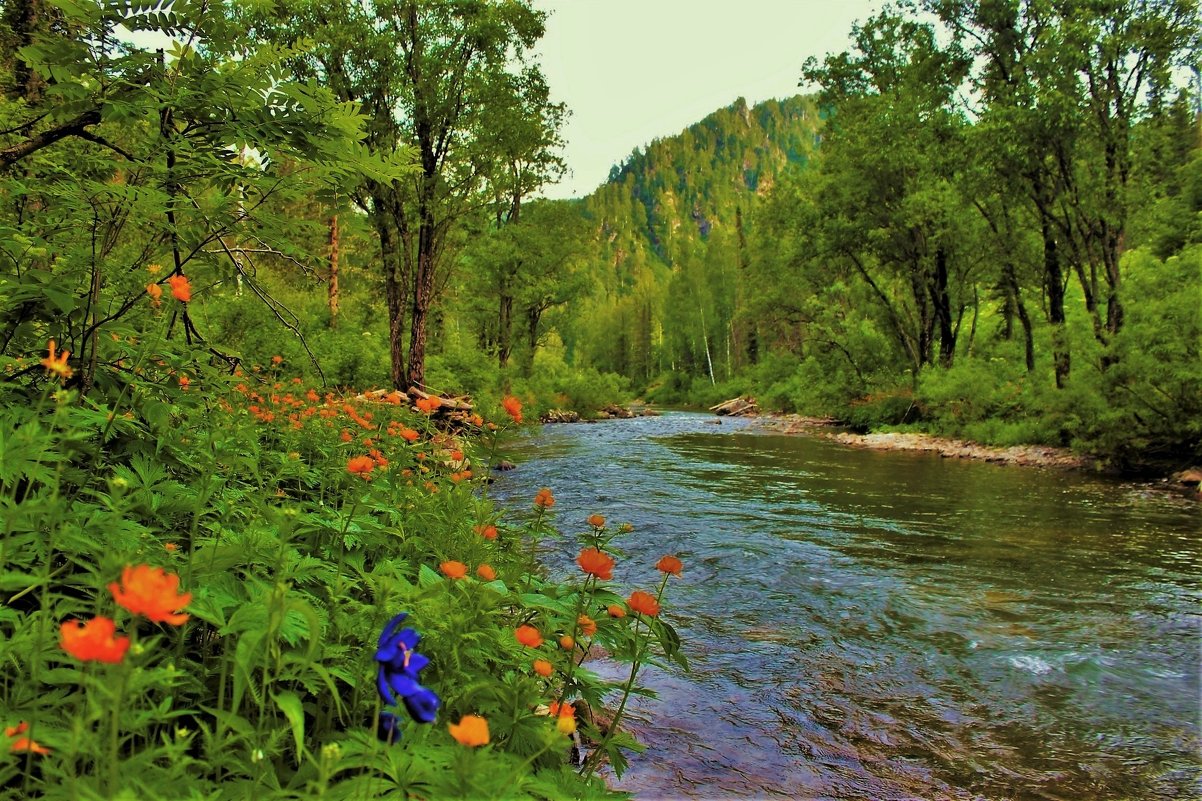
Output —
(634, 70)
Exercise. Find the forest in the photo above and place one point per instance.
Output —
(277, 285)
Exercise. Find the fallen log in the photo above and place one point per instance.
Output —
(736, 407)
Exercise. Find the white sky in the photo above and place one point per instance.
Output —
(634, 70)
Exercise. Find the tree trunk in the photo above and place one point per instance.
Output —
(941, 299)
(1053, 279)
(505, 327)
(1014, 301)
(394, 292)
(332, 287)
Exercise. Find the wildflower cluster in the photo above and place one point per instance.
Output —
(210, 587)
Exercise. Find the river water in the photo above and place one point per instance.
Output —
(874, 625)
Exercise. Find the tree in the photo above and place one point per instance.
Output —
(892, 160)
(122, 161)
(453, 81)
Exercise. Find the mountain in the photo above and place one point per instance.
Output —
(669, 239)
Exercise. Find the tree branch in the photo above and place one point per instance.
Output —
(76, 127)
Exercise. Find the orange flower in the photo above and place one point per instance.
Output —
(615, 611)
(644, 603)
(277, 359)
(346, 435)
(181, 290)
(669, 564)
(476, 420)
(23, 744)
(595, 563)
(57, 365)
(156, 292)
(428, 405)
(153, 592)
(596, 521)
(543, 668)
(558, 710)
(452, 569)
(488, 532)
(362, 465)
(486, 572)
(513, 408)
(543, 498)
(171, 546)
(528, 636)
(409, 434)
(565, 717)
(93, 641)
(184, 381)
(588, 626)
(471, 730)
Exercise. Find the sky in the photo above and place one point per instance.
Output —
(631, 71)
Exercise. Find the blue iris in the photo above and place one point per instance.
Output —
(397, 678)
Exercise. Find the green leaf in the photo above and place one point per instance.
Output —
(426, 577)
(294, 710)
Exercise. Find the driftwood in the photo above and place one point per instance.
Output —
(736, 407)
(615, 412)
(460, 404)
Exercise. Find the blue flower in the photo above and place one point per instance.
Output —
(397, 679)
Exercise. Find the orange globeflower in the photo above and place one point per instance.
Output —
(596, 521)
(595, 563)
(543, 668)
(156, 292)
(93, 641)
(644, 603)
(544, 499)
(452, 569)
(153, 592)
(588, 626)
(669, 564)
(565, 717)
(488, 532)
(22, 743)
(428, 405)
(471, 730)
(615, 611)
(362, 465)
(567, 643)
(181, 290)
(57, 365)
(513, 408)
(528, 636)
(277, 359)
(486, 572)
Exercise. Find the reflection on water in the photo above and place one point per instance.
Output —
(893, 625)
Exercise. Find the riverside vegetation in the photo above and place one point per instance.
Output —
(222, 577)
(210, 243)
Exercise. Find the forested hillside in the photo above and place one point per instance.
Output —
(670, 244)
(985, 239)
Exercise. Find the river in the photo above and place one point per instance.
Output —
(880, 625)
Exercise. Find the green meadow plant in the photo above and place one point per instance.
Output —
(230, 586)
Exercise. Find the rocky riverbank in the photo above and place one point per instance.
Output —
(1188, 481)
(1029, 455)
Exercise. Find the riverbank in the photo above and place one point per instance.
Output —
(1187, 481)
(1027, 455)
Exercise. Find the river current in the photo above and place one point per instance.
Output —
(876, 625)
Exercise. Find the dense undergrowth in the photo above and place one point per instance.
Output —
(1136, 400)
(250, 538)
